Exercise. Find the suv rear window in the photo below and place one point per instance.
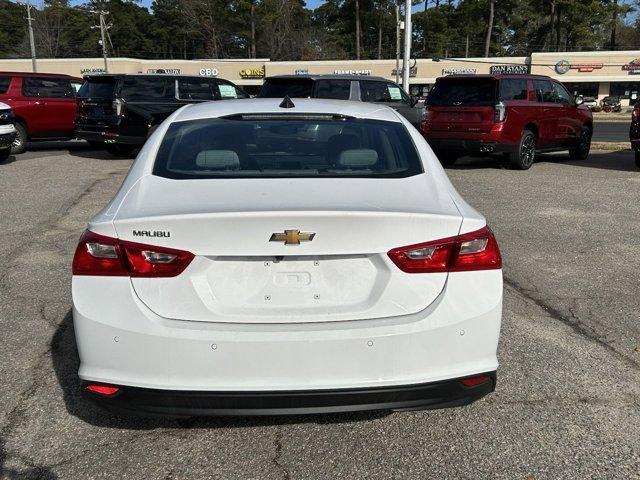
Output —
(98, 87)
(294, 87)
(4, 84)
(463, 91)
(144, 89)
(255, 146)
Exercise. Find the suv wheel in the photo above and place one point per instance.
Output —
(523, 158)
(4, 153)
(581, 150)
(638, 158)
(120, 150)
(20, 142)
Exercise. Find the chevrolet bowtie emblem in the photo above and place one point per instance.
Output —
(292, 237)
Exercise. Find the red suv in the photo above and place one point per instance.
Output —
(513, 115)
(44, 105)
(634, 132)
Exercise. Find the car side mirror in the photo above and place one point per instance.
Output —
(413, 99)
(579, 100)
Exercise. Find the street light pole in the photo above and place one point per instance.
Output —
(31, 41)
(408, 34)
(397, 43)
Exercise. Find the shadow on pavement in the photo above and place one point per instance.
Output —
(29, 473)
(622, 161)
(65, 360)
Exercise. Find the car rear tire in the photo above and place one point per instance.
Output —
(581, 150)
(4, 154)
(120, 150)
(524, 157)
(96, 144)
(638, 158)
(446, 158)
(20, 142)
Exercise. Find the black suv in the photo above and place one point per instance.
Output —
(360, 88)
(121, 111)
(7, 131)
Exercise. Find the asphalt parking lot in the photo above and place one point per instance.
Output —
(568, 398)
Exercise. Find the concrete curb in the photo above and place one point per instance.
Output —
(611, 146)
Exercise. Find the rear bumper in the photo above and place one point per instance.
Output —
(470, 146)
(107, 135)
(124, 343)
(151, 402)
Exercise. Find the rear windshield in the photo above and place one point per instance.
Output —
(463, 91)
(255, 146)
(294, 87)
(97, 87)
(147, 89)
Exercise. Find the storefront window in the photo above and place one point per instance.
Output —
(586, 89)
(626, 90)
(420, 90)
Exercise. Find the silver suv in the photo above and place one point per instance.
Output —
(362, 88)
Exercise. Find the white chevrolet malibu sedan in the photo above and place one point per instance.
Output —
(267, 258)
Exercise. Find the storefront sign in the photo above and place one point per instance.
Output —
(208, 72)
(509, 69)
(352, 72)
(170, 71)
(256, 72)
(413, 72)
(633, 67)
(84, 71)
(459, 71)
(563, 66)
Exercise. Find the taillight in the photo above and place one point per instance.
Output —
(499, 112)
(104, 390)
(470, 251)
(475, 381)
(635, 115)
(106, 256)
(117, 105)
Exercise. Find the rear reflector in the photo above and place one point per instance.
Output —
(106, 390)
(473, 381)
(107, 256)
(470, 251)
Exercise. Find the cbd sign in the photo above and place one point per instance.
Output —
(257, 72)
(208, 72)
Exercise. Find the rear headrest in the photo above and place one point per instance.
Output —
(358, 158)
(218, 160)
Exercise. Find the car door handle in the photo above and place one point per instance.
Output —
(38, 102)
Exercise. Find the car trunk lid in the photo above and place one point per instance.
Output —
(248, 265)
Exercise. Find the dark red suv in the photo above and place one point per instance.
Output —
(44, 105)
(512, 115)
(634, 132)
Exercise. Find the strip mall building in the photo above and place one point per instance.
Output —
(593, 74)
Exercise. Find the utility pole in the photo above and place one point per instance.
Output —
(103, 33)
(31, 41)
(408, 36)
(397, 43)
(466, 49)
